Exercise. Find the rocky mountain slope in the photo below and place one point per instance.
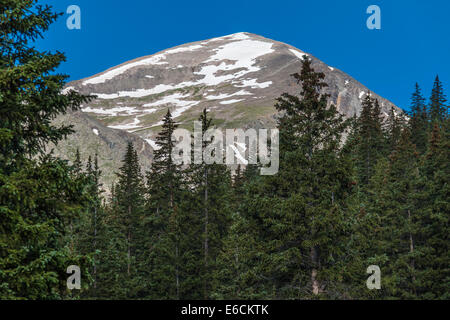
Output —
(92, 137)
(236, 77)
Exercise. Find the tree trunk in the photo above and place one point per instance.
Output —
(314, 281)
(411, 250)
(206, 245)
(177, 272)
(129, 242)
(95, 246)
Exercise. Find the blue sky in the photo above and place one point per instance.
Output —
(413, 44)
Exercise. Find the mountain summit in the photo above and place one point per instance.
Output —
(237, 77)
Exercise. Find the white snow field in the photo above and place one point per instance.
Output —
(298, 54)
(240, 55)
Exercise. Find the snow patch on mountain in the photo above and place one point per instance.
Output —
(240, 54)
(298, 54)
(66, 90)
(139, 93)
(227, 95)
(232, 37)
(153, 60)
(174, 99)
(231, 101)
(108, 75)
(111, 112)
(361, 94)
(128, 126)
(244, 52)
(253, 84)
(152, 144)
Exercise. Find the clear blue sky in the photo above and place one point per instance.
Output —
(413, 44)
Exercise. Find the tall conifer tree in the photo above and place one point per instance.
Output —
(371, 144)
(39, 194)
(419, 120)
(438, 108)
(164, 195)
(211, 184)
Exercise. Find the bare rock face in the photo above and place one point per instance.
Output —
(236, 77)
(92, 137)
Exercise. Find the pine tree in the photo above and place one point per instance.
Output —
(386, 229)
(39, 194)
(371, 144)
(118, 266)
(77, 164)
(130, 201)
(239, 273)
(92, 227)
(163, 221)
(366, 246)
(211, 185)
(400, 221)
(393, 129)
(433, 202)
(419, 120)
(438, 109)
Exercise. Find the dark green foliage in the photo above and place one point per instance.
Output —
(438, 110)
(371, 144)
(209, 205)
(433, 202)
(164, 219)
(40, 196)
(419, 121)
(309, 231)
(399, 229)
(118, 260)
(295, 220)
(37, 203)
(394, 125)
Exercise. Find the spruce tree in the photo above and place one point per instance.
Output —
(39, 194)
(92, 226)
(164, 192)
(401, 220)
(299, 215)
(118, 266)
(386, 229)
(438, 108)
(77, 164)
(433, 202)
(394, 125)
(371, 144)
(419, 120)
(211, 185)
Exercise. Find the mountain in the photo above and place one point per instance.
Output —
(92, 137)
(236, 77)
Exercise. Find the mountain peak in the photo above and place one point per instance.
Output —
(237, 77)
